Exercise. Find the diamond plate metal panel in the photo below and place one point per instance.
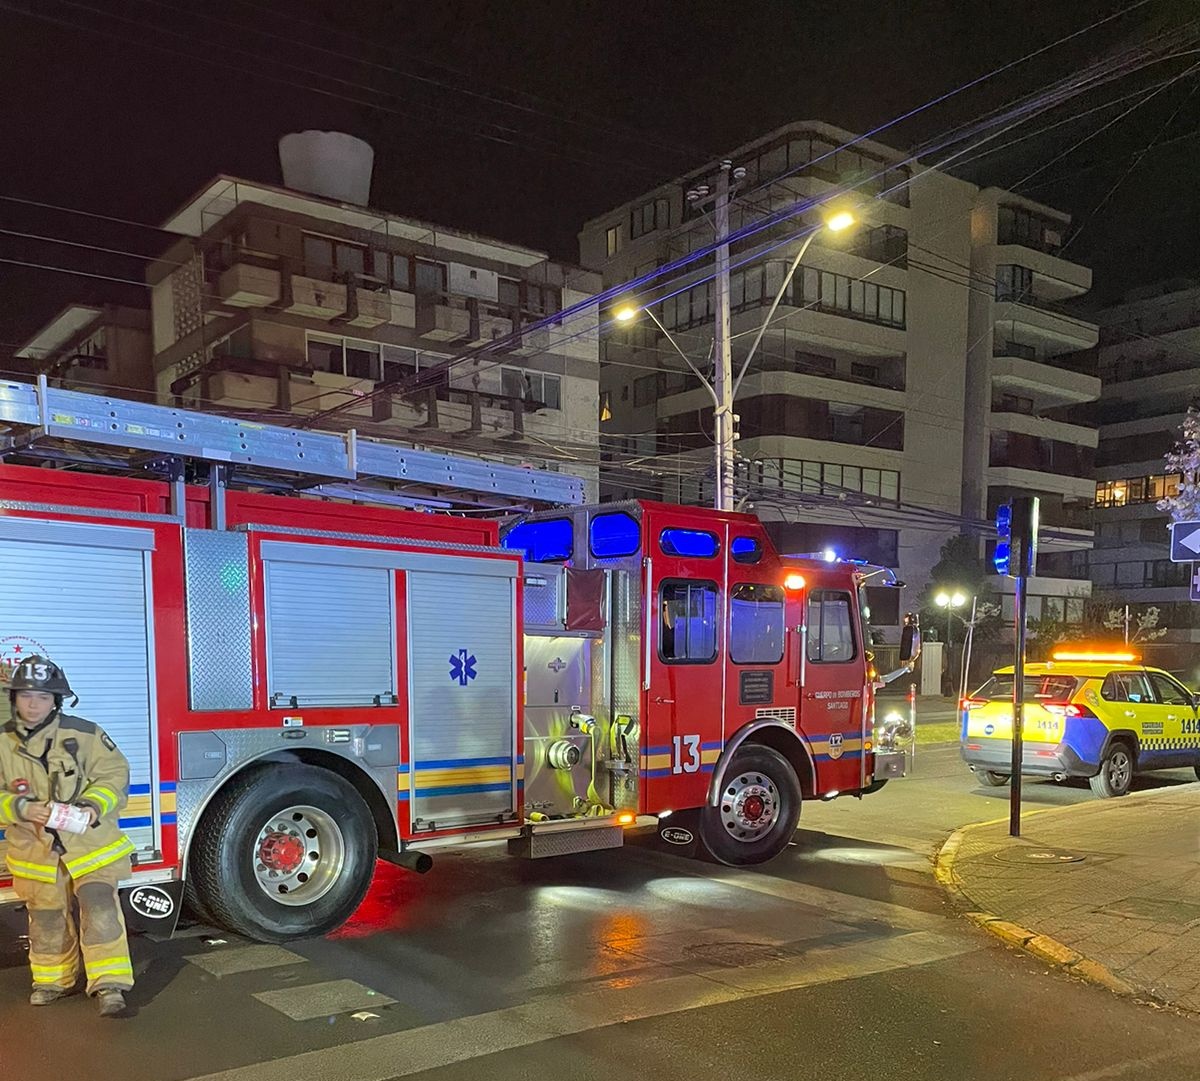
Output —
(566, 842)
(217, 567)
(544, 586)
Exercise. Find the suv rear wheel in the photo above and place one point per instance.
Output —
(991, 778)
(1116, 772)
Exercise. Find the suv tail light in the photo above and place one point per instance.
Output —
(1067, 709)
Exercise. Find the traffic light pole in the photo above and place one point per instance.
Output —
(1025, 513)
(722, 354)
(1018, 732)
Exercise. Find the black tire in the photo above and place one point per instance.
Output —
(754, 773)
(226, 853)
(991, 778)
(1116, 771)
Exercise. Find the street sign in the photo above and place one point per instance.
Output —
(1185, 541)
(1195, 591)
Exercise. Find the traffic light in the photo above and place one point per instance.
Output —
(1003, 553)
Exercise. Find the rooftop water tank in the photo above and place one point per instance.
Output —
(327, 163)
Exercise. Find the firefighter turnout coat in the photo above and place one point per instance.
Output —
(70, 760)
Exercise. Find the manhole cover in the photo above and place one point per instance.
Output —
(733, 954)
(1041, 857)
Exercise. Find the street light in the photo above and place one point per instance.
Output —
(949, 601)
(726, 387)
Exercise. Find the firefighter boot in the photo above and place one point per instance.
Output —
(43, 996)
(112, 1002)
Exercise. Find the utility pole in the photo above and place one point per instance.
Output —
(723, 422)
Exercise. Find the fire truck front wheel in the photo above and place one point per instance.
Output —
(758, 809)
(283, 852)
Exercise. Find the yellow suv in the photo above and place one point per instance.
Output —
(1094, 715)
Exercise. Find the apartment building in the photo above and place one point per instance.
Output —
(916, 360)
(1149, 358)
(103, 347)
(301, 300)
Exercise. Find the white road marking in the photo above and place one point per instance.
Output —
(244, 959)
(323, 999)
(402, 1054)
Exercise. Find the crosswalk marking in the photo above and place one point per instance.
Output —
(402, 1054)
(323, 999)
(244, 959)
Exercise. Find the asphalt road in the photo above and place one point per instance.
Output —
(840, 959)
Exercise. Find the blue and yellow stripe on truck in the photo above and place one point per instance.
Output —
(660, 761)
(459, 777)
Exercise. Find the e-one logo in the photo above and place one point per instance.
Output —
(676, 835)
(151, 902)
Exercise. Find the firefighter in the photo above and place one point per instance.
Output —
(60, 768)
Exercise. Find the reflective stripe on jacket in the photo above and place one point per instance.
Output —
(71, 760)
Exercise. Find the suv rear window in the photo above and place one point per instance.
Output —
(1037, 688)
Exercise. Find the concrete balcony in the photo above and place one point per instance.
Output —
(316, 299)
(403, 309)
(1044, 382)
(487, 328)
(366, 308)
(1054, 278)
(1044, 428)
(245, 285)
(438, 322)
(1052, 332)
(1035, 480)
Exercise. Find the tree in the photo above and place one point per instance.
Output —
(1184, 459)
(1103, 622)
(960, 569)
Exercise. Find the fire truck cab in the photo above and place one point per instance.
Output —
(677, 666)
(304, 684)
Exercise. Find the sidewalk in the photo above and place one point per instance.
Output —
(1131, 904)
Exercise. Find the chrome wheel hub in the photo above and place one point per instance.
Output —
(298, 855)
(749, 806)
(1120, 769)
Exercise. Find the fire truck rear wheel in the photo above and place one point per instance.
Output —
(758, 811)
(283, 852)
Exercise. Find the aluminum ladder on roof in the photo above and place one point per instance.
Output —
(42, 413)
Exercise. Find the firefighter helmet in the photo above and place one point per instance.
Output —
(37, 673)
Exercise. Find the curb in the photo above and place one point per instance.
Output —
(1043, 947)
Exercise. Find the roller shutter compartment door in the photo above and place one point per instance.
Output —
(463, 683)
(84, 599)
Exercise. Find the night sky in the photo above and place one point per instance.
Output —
(524, 118)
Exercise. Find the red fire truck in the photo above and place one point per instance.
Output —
(306, 683)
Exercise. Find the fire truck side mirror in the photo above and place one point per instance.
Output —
(909, 638)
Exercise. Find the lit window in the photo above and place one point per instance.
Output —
(689, 542)
(549, 541)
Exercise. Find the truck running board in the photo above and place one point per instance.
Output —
(564, 838)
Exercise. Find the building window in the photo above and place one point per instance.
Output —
(323, 254)
(651, 215)
(840, 295)
(1015, 225)
(508, 292)
(536, 387)
(363, 360)
(830, 627)
(1013, 282)
(430, 277)
(645, 390)
(612, 240)
(1118, 493)
(688, 622)
(756, 624)
(542, 300)
(823, 478)
(402, 273)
